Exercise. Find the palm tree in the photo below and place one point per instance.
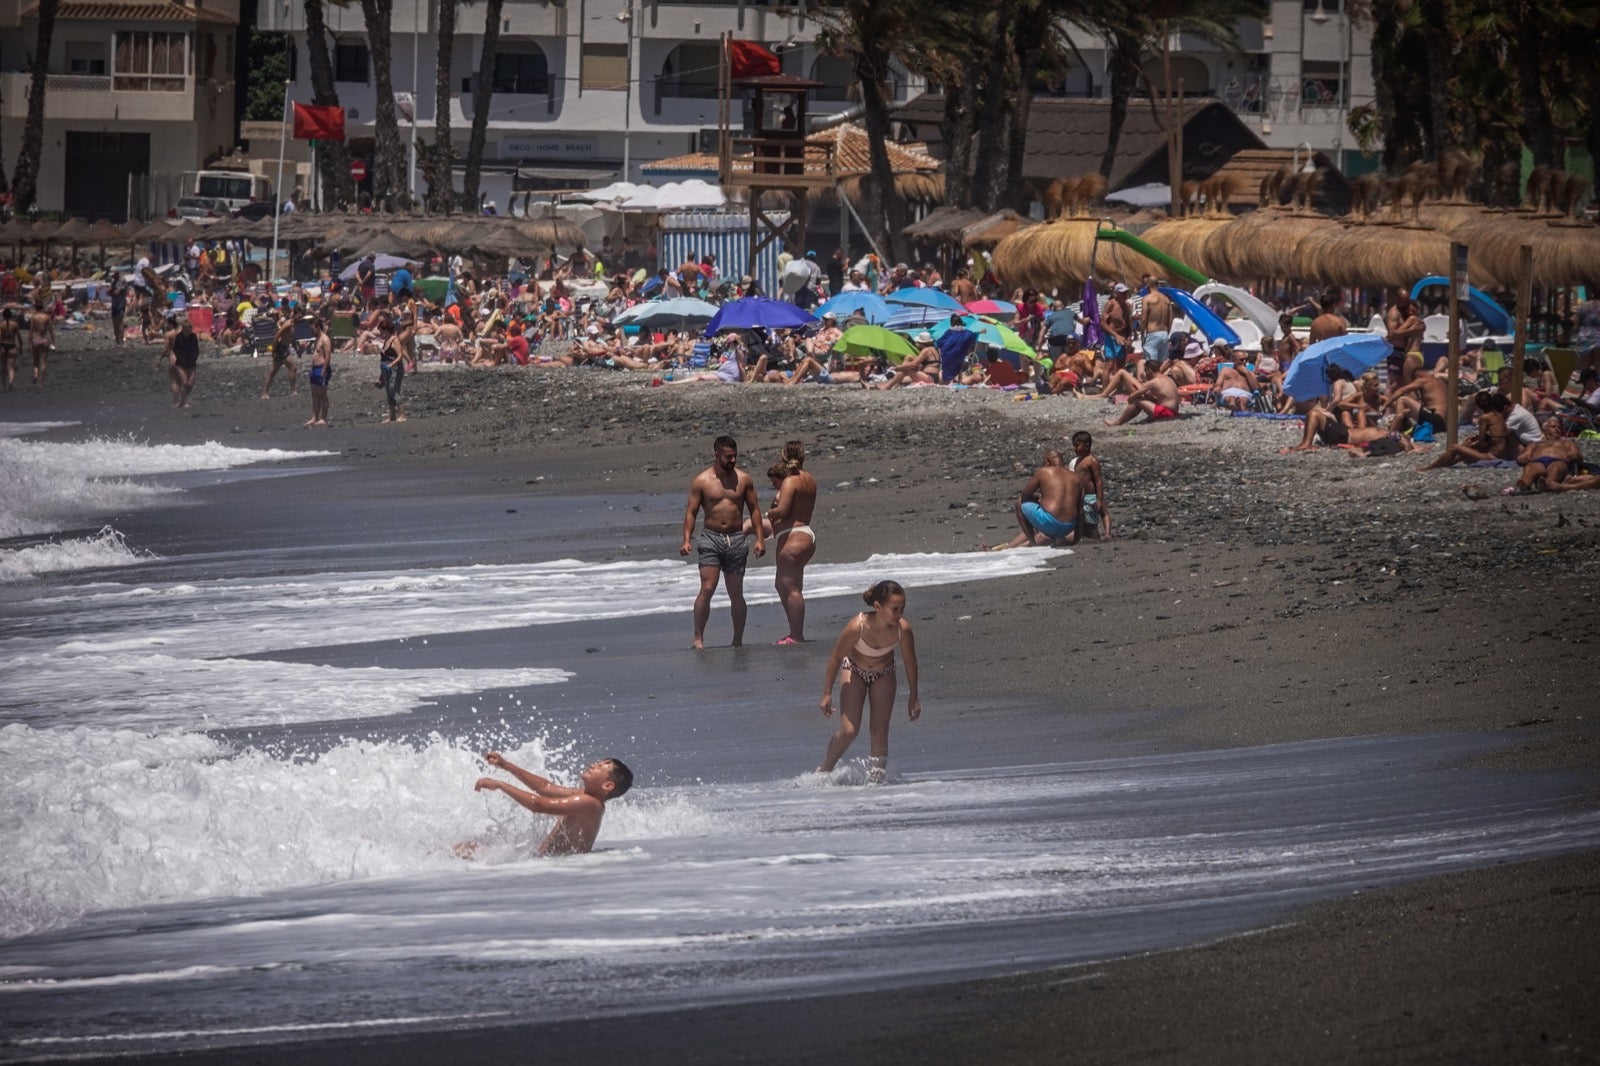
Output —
(389, 159)
(872, 34)
(482, 93)
(441, 161)
(333, 157)
(25, 181)
(1135, 29)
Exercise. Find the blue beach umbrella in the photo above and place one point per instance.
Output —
(905, 319)
(926, 298)
(758, 312)
(1356, 352)
(671, 312)
(873, 307)
(992, 334)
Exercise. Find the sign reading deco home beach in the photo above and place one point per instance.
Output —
(547, 148)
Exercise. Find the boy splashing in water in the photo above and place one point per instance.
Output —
(577, 810)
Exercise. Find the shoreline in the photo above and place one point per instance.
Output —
(1249, 597)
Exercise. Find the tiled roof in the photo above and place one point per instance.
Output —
(1067, 135)
(134, 11)
(850, 156)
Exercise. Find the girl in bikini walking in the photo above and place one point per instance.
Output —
(865, 652)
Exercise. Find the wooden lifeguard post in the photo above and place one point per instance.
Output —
(776, 144)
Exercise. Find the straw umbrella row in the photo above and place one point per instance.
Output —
(1293, 244)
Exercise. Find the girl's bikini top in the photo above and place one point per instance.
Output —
(867, 651)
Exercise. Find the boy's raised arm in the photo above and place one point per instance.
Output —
(541, 785)
(558, 805)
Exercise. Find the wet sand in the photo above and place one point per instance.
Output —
(1249, 597)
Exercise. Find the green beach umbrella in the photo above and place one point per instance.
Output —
(868, 340)
(994, 334)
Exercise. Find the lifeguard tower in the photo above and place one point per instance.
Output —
(773, 154)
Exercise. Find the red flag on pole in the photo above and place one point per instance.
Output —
(746, 59)
(313, 123)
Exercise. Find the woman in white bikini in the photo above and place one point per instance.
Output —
(790, 516)
(865, 651)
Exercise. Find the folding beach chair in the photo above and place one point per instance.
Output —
(258, 341)
(342, 330)
(305, 337)
(700, 355)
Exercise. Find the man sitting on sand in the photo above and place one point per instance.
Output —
(577, 811)
(1423, 401)
(1048, 508)
(1548, 462)
(1157, 399)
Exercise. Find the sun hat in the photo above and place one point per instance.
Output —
(1119, 287)
(923, 338)
(829, 316)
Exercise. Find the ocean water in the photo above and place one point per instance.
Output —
(246, 695)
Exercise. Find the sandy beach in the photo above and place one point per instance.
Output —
(1250, 596)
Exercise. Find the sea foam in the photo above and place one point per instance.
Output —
(47, 486)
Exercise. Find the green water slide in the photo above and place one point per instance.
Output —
(1150, 252)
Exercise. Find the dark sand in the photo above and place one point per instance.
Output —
(1249, 597)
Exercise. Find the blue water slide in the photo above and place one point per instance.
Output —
(1202, 317)
(1496, 318)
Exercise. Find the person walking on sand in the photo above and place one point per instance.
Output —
(577, 811)
(184, 356)
(41, 336)
(1049, 507)
(320, 375)
(864, 653)
(10, 346)
(283, 353)
(392, 375)
(725, 493)
(790, 516)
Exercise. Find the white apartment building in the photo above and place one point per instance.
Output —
(588, 90)
(134, 87)
(585, 91)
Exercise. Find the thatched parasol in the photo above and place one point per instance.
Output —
(559, 235)
(1187, 240)
(73, 231)
(992, 229)
(943, 225)
(1063, 253)
(155, 230)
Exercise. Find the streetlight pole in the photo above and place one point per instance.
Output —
(416, 34)
(626, 17)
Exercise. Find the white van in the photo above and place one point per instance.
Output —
(236, 188)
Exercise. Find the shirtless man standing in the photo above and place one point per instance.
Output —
(1115, 323)
(41, 335)
(321, 373)
(1048, 508)
(725, 493)
(1330, 323)
(1156, 320)
(1158, 398)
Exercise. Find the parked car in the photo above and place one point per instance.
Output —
(201, 207)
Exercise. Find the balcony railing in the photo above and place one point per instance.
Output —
(1285, 99)
(77, 83)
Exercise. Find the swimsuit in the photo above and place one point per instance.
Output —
(1044, 521)
(867, 677)
(1161, 413)
(1155, 346)
(318, 375)
(1235, 394)
(728, 552)
(1547, 459)
(798, 527)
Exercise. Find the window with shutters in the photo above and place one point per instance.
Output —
(605, 66)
